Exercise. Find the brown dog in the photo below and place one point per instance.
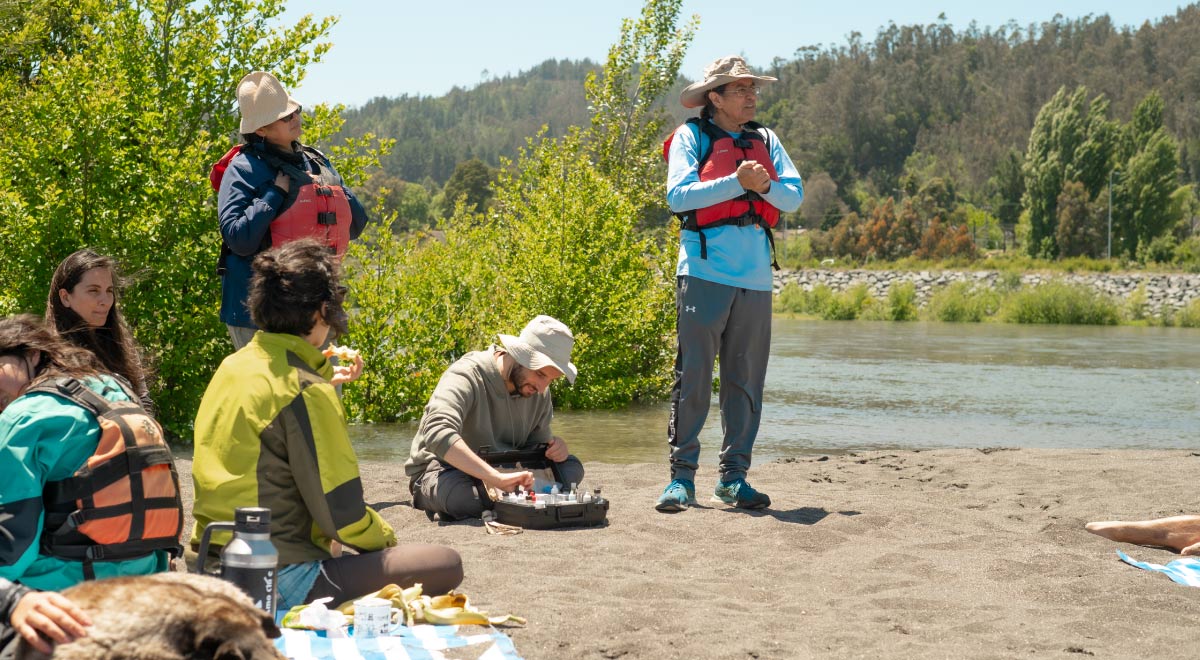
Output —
(168, 616)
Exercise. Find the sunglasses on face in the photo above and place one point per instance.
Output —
(292, 115)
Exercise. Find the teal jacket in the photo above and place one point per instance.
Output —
(46, 438)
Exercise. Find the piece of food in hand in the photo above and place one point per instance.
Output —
(342, 353)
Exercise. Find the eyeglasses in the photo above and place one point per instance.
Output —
(748, 90)
(292, 115)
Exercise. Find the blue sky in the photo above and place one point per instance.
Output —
(391, 48)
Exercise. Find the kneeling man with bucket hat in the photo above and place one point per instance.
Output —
(498, 398)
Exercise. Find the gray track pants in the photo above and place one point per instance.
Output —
(735, 324)
(452, 494)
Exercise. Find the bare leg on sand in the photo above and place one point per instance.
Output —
(1180, 533)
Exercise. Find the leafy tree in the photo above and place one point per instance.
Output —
(820, 201)
(1071, 141)
(471, 182)
(874, 243)
(411, 203)
(1008, 186)
(846, 237)
(905, 234)
(1080, 232)
(1146, 179)
(108, 124)
(561, 238)
(627, 124)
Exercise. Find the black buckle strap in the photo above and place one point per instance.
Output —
(327, 218)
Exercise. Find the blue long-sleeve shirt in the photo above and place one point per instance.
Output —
(246, 204)
(737, 256)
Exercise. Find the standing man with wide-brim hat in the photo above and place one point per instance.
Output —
(728, 179)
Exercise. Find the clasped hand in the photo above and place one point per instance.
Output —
(753, 176)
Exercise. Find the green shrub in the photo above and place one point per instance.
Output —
(107, 146)
(422, 303)
(1057, 302)
(1086, 265)
(1187, 255)
(1009, 280)
(902, 302)
(1161, 250)
(795, 300)
(1189, 316)
(1137, 305)
(963, 302)
(847, 305)
(795, 251)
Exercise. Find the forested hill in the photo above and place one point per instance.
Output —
(921, 100)
(932, 101)
(493, 119)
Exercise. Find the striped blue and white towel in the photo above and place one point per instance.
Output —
(1184, 571)
(423, 642)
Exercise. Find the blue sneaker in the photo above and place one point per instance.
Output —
(740, 494)
(677, 496)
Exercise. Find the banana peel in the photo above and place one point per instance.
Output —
(448, 609)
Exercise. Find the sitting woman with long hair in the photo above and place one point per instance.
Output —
(271, 432)
(83, 307)
(65, 426)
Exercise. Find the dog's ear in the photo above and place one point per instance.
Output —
(269, 627)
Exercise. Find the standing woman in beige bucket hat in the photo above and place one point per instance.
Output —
(272, 189)
(728, 179)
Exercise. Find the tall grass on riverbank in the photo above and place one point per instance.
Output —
(1189, 317)
(1061, 304)
(964, 302)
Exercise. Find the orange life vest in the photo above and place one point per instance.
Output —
(123, 503)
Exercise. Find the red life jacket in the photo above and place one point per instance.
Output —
(124, 502)
(318, 205)
(320, 210)
(720, 159)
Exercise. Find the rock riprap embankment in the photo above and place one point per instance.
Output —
(1163, 290)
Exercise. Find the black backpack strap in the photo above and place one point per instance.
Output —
(76, 392)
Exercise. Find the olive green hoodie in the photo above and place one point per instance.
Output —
(472, 402)
(271, 432)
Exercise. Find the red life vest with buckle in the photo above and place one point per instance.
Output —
(720, 159)
(318, 207)
(123, 503)
(320, 210)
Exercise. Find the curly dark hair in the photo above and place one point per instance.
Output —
(112, 343)
(291, 284)
(26, 335)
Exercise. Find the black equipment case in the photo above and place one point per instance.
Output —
(527, 513)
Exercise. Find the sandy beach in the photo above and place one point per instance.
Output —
(904, 554)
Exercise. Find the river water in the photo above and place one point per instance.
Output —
(843, 386)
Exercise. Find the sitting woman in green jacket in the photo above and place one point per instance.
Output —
(271, 432)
